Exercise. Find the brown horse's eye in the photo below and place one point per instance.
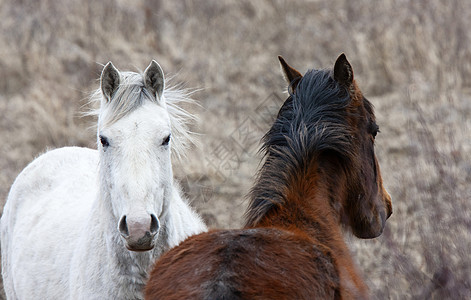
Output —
(374, 129)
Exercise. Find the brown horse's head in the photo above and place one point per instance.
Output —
(368, 204)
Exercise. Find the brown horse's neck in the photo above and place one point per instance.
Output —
(312, 201)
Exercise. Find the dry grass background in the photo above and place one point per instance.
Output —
(411, 59)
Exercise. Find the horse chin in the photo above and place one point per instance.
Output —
(371, 230)
(368, 234)
(140, 248)
(141, 245)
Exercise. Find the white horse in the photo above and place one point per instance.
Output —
(88, 224)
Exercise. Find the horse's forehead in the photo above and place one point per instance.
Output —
(148, 117)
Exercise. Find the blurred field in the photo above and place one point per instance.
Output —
(411, 59)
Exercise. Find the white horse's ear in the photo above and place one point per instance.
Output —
(110, 80)
(154, 79)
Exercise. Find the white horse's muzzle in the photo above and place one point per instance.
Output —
(138, 232)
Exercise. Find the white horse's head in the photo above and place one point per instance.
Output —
(134, 141)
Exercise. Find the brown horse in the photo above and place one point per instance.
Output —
(320, 173)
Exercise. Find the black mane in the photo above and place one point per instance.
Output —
(312, 120)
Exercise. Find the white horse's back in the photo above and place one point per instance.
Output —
(41, 221)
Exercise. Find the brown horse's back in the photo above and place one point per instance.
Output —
(246, 264)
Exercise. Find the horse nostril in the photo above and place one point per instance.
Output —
(123, 227)
(154, 224)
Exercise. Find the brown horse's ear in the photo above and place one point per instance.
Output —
(290, 74)
(343, 71)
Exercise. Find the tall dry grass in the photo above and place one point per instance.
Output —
(411, 59)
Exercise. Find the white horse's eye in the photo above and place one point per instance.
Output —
(104, 141)
(166, 141)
